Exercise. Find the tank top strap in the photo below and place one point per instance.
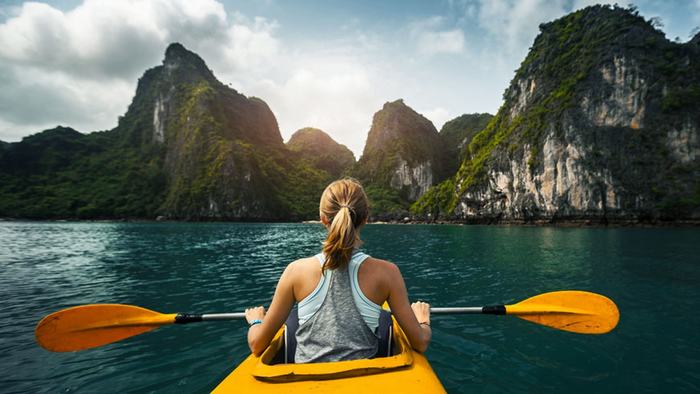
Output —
(369, 310)
(355, 255)
(321, 258)
(357, 258)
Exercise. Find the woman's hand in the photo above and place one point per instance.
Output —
(256, 313)
(422, 312)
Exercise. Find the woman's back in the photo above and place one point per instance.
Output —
(372, 278)
(336, 328)
(336, 321)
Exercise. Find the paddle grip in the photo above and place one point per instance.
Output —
(184, 318)
(494, 310)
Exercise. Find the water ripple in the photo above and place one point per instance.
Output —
(224, 267)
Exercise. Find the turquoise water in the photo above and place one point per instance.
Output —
(652, 274)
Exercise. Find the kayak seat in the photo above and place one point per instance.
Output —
(290, 343)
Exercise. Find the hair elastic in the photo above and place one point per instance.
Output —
(351, 209)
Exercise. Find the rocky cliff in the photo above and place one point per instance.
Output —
(456, 135)
(220, 146)
(321, 151)
(402, 158)
(600, 123)
(188, 147)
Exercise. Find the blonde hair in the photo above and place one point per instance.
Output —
(345, 207)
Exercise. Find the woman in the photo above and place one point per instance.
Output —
(339, 291)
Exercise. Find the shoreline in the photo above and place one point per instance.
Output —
(571, 223)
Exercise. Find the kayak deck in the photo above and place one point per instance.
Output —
(407, 371)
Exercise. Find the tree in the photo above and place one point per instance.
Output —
(656, 22)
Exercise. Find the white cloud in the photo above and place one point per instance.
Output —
(431, 39)
(451, 41)
(249, 43)
(515, 24)
(34, 97)
(80, 67)
(105, 38)
(331, 91)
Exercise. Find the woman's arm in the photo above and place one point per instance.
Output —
(413, 319)
(260, 335)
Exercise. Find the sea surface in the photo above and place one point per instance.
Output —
(653, 274)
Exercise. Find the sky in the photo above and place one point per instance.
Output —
(328, 64)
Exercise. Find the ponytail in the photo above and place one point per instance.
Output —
(343, 204)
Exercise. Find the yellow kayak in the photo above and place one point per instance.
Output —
(405, 371)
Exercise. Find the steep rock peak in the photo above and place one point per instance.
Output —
(185, 64)
(395, 104)
(322, 150)
(604, 43)
(397, 121)
(403, 157)
(176, 54)
(310, 138)
(588, 36)
(602, 18)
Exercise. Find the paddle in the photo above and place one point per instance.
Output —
(89, 326)
(575, 311)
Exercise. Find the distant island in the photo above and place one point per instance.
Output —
(599, 125)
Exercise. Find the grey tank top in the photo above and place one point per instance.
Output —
(337, 331)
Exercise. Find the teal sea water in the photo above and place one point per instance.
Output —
(652, 274)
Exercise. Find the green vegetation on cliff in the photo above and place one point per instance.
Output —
(61, 173)
(563, 90)
(456, 135)
(600, 120)
(403, 152)
(188, 147)
(321, 151)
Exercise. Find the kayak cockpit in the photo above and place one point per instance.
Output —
(403, 371)
(285, 355)
(276, 364)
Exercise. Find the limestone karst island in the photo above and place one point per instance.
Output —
(599, 125)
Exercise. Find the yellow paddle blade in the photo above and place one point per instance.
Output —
(576, 311)
(89, 326)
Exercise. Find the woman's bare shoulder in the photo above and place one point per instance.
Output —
(304, 265)
(383, 266)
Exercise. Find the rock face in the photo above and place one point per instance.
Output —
(321, 151)
(216, 141)
(600, 123)
(457, 133)
(403, 157)
(188, 147)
